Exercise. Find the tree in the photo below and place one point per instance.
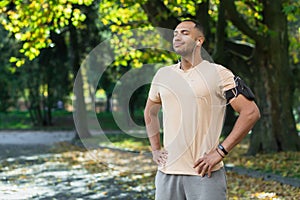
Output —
(272, 78)
(54, 69)
(44, 81)
(8, 80)
(82, 41)
(256, 45)
(32, 23)
(247, 38)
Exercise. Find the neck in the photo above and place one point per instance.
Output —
(192, 59)
(187, 64)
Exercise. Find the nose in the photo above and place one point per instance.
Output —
(177, 37)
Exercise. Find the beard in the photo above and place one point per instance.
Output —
(184, 51)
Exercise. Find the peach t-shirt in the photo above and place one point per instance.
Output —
(193, 106)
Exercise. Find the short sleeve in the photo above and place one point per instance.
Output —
(226, 81)
(154, 90)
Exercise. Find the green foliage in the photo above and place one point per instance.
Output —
(15, 120)
(21, 120)
(251, 12)
(32, 21)
(107, 121)
(8, 80)
(125, 13)
(130, 28)
(292, 10)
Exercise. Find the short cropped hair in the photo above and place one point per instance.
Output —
(198, 25)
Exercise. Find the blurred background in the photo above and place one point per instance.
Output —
(44, 43)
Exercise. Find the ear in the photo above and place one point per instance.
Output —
(200, 41)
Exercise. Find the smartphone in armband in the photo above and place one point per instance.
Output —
(240, 88)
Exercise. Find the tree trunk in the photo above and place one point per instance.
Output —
(160, 16)
(219, 51)
(276, 130)
(79, 113)
(203, 18)
(109, 106)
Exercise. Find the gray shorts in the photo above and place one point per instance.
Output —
(186, 187)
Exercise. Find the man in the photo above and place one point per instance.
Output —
(193, 95)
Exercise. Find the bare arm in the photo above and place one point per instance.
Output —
(152, 123)
(248, 115)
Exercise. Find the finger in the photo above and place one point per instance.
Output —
(204, 169)
(209, 172)
(163, 161)
(197, 163)
(163, 155)
(200, 167)
(159, 162)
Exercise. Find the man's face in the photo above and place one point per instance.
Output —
(185, 38)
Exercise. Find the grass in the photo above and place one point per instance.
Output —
(61, 120)
(20, 120)
(107, 121)
(15, 120)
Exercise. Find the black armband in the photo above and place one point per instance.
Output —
(241, 88)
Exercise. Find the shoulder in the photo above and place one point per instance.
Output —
(212, 66)
(167, 68)
(220, 68)
(223, 71)
(222, 76)
(163, 71)
(215, 69)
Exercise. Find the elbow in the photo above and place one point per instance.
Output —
(147, 117)
(256, 113)
(253, 113)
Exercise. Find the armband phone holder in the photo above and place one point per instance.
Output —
(241, 88)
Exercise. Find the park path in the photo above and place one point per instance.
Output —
(29, 137)
(30, 168)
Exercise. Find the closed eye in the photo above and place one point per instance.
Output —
(182, 32)
(185, 32)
